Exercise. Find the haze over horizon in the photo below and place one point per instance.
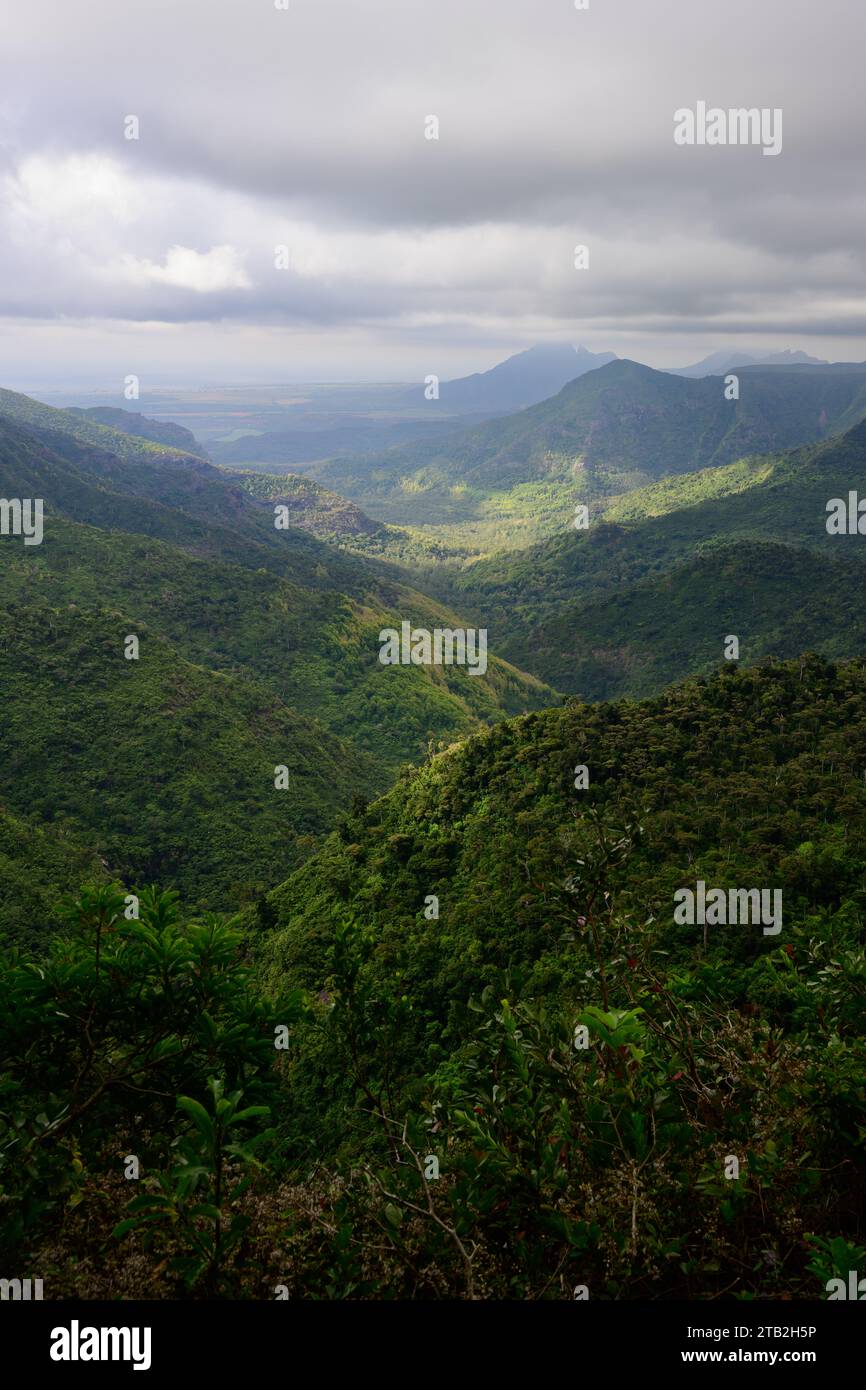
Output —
(71, 392)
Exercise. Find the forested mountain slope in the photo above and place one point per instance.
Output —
(628, 606)
(133, 422)
(41, 866)
(509, 1070)
(124, 443)
(748, 775)
(272, 635)
(611, 431)
(165, 768)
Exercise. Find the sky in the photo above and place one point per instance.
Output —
(305, 128)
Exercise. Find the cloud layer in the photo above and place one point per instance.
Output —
(281, 188)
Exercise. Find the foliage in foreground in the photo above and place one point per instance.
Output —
(479, 1105)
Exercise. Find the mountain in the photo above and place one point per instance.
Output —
(165, 769)
(311, 507)
(259, 647)
(720, 363)
(521, 380)
(41, 867)
(130, 422)
(314, 643)
(514, 1062)
(777, 599)
(494, 825)
(124, 443)
(174, 498)
(649, 594)
(556, 909)
(104, 477)
(513, 480)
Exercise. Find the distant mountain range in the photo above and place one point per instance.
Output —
(291, 435)
(667, 465)
(704, 520)
(521, 380)
(524, 379)
(513, 480)
(719, 363)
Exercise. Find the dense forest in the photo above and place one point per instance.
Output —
(465, 1049)
(432, 683)
(327, 979)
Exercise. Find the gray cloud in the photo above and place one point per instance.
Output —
(260, 127)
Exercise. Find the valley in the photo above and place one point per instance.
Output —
(432, 680)
(429, 867)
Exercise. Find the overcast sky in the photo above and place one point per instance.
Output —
(305, 127)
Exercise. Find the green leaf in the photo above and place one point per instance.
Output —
(124, 1227)
(198, 1114)
(206, 1209)
(250, 1111)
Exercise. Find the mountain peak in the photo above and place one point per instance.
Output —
(524, 379)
